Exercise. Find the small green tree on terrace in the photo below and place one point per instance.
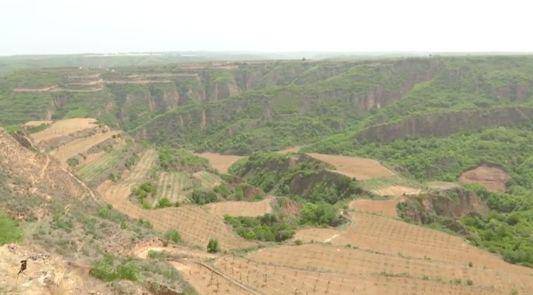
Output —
(213, 246)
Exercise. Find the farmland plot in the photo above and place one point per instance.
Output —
(174, 186)
(62, 128)
(93, 168)
(241, 208)
(81, 145)
(207, 180)
(195, 224)
(320, 269)
(219, 161)
(360, 168)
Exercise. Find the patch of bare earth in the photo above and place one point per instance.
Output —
(492, 178)
(219, 161)
(45, 273)
(37, 123)
(397, 191)
(382, 207)
(360, 168)
(241, 208)
(63, 128)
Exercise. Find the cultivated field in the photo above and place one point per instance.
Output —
(195, 224)
(98, 163)
(63, 128)
(492, 178)
(360, 168)
(382, 207)
(207, 180)
(220, 162)
(81, 145)
(241, 208)
(174, 186)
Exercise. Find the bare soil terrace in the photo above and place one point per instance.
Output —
(492, 178)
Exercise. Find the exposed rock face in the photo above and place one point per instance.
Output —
(443, 124)
(491, 177)
(452, 204)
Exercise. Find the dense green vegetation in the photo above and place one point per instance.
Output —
(144, 191)
(268, 227)
(9, 230)
(507, 229)
(171, 159)
(296, 175)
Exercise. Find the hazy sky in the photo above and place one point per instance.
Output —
(74, 26)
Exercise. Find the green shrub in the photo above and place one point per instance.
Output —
(173, 235)
(110, 268)
(164, 202)
(73, 162)
(9, 230)
(265, 228)
(213, 246)
(201, 197)
(319, 214)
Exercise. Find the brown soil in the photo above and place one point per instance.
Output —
(45, 274)
(397, 191)
(220, 162)
(63, 128)
(382, 207)
(241, 208)
(81, 145)
(360, 168)
(37, 123)
(386, 256)
(492, 178)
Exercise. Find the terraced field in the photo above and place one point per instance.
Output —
(219, 161)
(384, 254)
(360, 168)
(174, 186)
(195, 224)
(81, 145)
(102, 162)
(207, 179)
(63, 128)
(241, 208)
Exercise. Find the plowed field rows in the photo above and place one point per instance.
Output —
(174, 186)
(195, 224)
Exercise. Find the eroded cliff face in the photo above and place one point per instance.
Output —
(443, 124)
(451, 204)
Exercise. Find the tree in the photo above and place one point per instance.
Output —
(213, 246)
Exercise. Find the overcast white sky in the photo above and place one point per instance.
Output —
(74, 26)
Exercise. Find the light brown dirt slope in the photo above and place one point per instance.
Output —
(493, 179)
(39, 174)
(45, 274)
(360, 168)
(220, 162)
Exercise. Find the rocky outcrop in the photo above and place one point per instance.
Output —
(444, 124)
(450, 204)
